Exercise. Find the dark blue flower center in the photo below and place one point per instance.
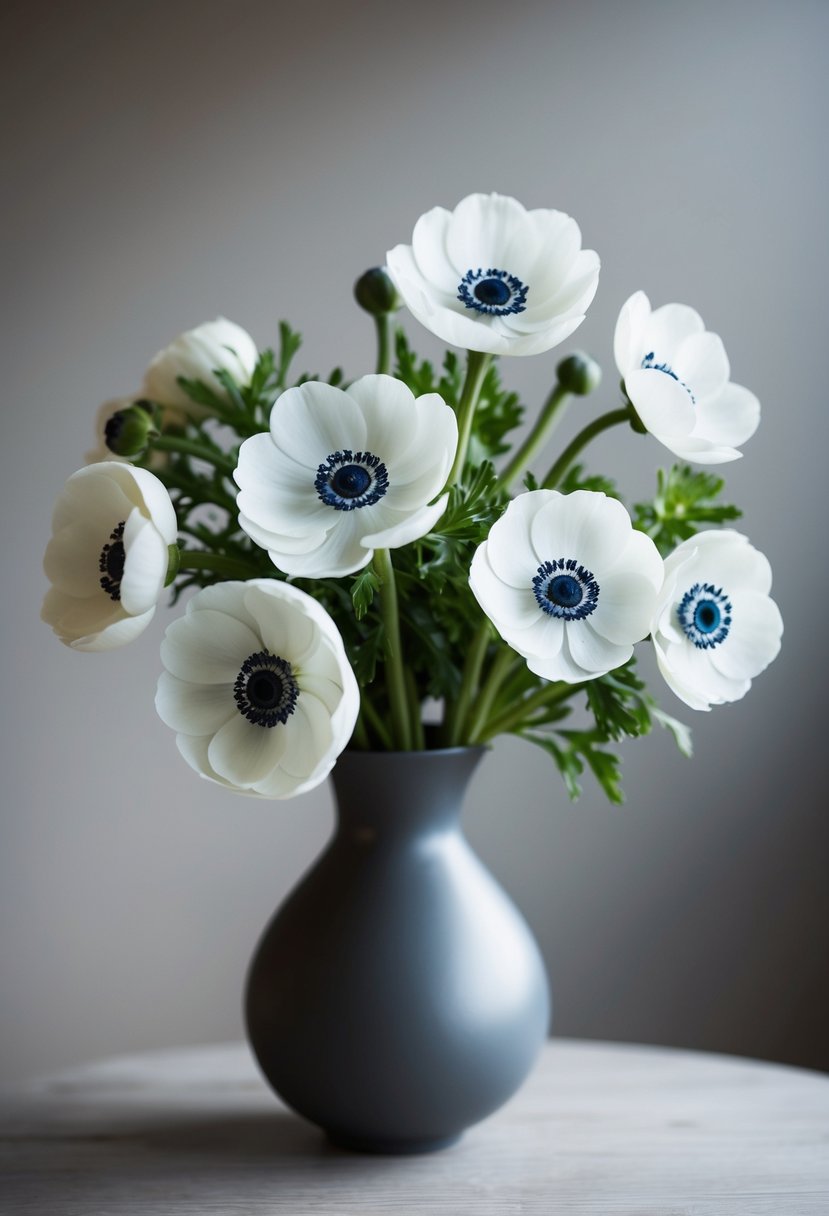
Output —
(565, 589)
(704, 613)
(649, 364)
(496, 293)
(347, 480)
(111, 562)
(265, 691)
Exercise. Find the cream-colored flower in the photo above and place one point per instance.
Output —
(108, 557)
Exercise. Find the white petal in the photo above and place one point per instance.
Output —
(668, 327)
(558, 666)
(625, 608)
(699, 451)
(194, 709)
(71, 560)
(595, 655)
(512, 607)
(701, 362)
(430, 252)
(692, 671)
(753, 640)
(287, 620)
(311, 422)
(418, 524)
(119, 632)
(729, 419)
(244, 753)
(628, 339)
(663, 405)
(510, 549)
(723, 557)
(151, 496)
(339, 553)
(207, 647)
(145, 565)
(480, 231)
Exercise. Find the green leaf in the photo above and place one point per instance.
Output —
(681, 732)
(580, 748)
(685, 499)
(363, 589)
(289, 343)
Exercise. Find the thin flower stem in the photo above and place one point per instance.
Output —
(551, 413)
(416, 721)
(576, 445)
(385, 330)
(469, 683)
(477, 366)
(549, 695)
(377, 724)
(503, 664)
(189, 447)
(218, 563)
(360, 736)
(395, 674)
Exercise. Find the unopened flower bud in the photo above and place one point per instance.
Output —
(129, 431)
(579, 374)
(375, 292)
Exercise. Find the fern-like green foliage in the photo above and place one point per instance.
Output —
(685, 501)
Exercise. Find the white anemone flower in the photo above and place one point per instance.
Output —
(492, 276)
(715, 627)
(344, 472)
(568, 582)
(258, 688)
(219, 345)
(676, 373)
(108, 557)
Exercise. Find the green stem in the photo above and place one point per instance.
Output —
(503, 663)
(594, 428)
(385, 330)
(376, 723)
(219, 563)
(415, 720)
(551, 412)
(477, 366)
(395, 674)
(360, 737)
(190, 447)
(469, 683)
(549, 695)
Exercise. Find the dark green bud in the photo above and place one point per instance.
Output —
(579, 374)
(128, 432)
(375, 292)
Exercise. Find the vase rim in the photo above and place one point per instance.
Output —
(461, 749)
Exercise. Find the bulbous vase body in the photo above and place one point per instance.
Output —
(398, 996)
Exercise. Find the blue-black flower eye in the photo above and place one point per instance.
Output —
(347, 480)
(265, 690)
(704, 613)
(496, 293)
(565, 589)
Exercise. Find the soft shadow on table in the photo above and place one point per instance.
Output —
(244, 1138)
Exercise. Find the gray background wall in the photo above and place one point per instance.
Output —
(167, 162)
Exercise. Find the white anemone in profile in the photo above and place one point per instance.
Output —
(219, 345)
(568, 582)
(676, 374)
(112, 529)
(492, 276)
(344, 472)
(715, 627)
(258, 688)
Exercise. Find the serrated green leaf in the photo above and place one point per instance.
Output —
(365, 586)
(681, 733)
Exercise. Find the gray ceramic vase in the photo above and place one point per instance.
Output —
(398, 996)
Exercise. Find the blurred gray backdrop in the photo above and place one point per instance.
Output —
(167, 162)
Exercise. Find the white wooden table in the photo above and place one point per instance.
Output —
(598, 1128)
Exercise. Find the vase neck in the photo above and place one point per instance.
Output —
(398, 794)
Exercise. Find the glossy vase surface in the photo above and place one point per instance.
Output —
(397, 996)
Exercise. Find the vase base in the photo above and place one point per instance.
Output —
(391, 1147)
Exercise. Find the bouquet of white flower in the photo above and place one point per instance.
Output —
(361, 563)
